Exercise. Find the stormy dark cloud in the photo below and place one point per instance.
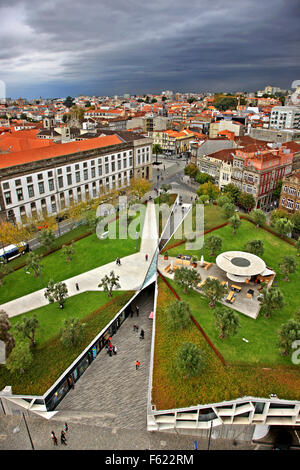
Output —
(107, 47)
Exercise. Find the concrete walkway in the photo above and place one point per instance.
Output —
(132, 271)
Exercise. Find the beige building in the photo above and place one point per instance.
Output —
(225, 125)
(290, 193)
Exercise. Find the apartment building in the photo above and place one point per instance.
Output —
(218, 165)
(290, 193)
(285, 117)
(256, 170)
(48, 179)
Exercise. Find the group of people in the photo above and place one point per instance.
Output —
(142, 333)
(110, 349)
(63, 439)
(118, 261)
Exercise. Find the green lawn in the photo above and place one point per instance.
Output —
(51, 358)
(90, 252)
(216, 382)
(213, 217)
(262, 333)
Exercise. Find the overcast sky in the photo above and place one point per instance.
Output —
(107, 47)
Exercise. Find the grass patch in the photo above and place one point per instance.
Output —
(217, 382)
(51, 358)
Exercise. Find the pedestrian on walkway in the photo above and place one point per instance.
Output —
(142, 334)
(115, 350)
(135, 328)
(146, 257)
(54, 438)
(63, 439)
(66, 427)
(77, 286)
(137, 310)
(137, 365)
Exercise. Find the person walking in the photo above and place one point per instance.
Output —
(77, 286)
(137, 310)
(115, 350)
(63, 439)
(146, 257)
(66, 427)
(54, 438)
(142, 334)
(137, 365)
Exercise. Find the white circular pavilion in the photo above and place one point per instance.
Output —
(240, 265)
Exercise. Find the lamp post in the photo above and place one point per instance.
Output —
(17, 430)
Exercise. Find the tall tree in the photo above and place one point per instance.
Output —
(46, 238)
(27, 327)
(187, 278)
(283, 226)
(214, 290)
(140, 186)
(68, 251)
(72, 332)
(178, 314)
(222, 200)
(5, 335)
(255, 246)
(156, 149)
(288, 266)
(232, 191)
(246, 200)
(272, 300)
(108, 283)
(20, 358)
(190, 359)
(214, 244)
(209, 189)
(258, 217)
(56, 292)
(33, 263)
(288, 333)
(227, 322)
(229, 210)
(235, 223)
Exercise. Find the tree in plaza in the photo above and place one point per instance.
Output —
(288, 266)
(191, 170)
(232, 192)
(204, 198)
(156, 149)
(75, 211)
(288, 333)
(255, 246)
(90, 219)
(229, 210)
(213, 244)
(271, 300)
(235, 222)
(27, 328)
(20, 359)
(140, 186)
(5, 335)
(68, 251)
(202, 178)
(187, 278)
(33, 263)
(222, 200)
(279, 214)
(214, 290)
(46, 238)
(13, 234)
(258, 217)
(108, 283)
(56, 292)
(190, 359)
(178, 315)
(72, 332)
(209, 189)
(283, 226)
(226, 321)
(246, 200)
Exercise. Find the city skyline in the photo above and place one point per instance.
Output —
(67, 48)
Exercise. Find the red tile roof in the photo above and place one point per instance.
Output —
(56, 150)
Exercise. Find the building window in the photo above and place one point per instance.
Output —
(18, 182)
(50, 174)
(100, 170)
(30, 190)
(40, 176)
(113, 167)
(77, 176)
(60, 182)
(284, 189)
(68, 169)
(41, 188)
(59, 171)
(290, 204)
(7, 197)
(85, 174)
(93, 172)
(85, 165)
(29, 179)
(51, 184)
(106, 168)
(20, 194)
(77, 166)
(5, 186)
(69, 179)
